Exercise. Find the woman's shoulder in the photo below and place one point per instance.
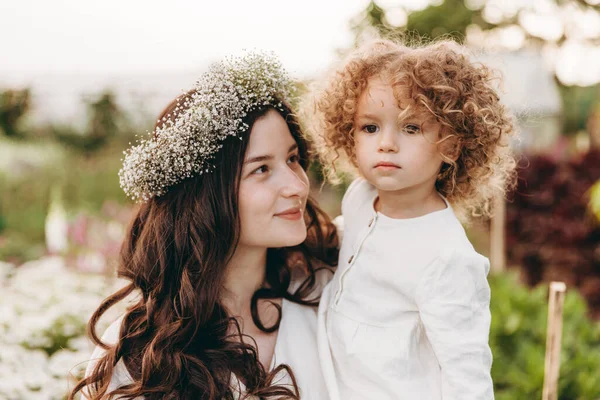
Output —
(110, 337)
(111, 334)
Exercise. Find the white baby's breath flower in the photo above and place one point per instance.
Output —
(185, 146)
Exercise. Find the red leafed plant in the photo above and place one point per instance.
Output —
(551, 233)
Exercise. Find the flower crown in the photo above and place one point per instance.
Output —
(185, 146)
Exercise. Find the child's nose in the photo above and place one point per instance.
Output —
(387, 142)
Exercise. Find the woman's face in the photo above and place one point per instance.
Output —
(273, 187)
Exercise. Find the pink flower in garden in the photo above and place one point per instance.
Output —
(78, 230)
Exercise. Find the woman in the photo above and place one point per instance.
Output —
(225, 251)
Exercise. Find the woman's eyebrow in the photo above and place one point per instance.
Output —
(258, 159)
(267, 157)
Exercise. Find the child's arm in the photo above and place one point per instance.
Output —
(453, 299)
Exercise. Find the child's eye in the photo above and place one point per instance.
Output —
(411, 129)
(294, 159)
(370, 128)
(260, 170)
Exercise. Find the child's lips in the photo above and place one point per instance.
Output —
(386, 166)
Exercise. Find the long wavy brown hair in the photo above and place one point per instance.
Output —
(176, 340)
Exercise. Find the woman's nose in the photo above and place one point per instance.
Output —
(295, 183)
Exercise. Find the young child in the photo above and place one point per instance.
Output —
(407, 313)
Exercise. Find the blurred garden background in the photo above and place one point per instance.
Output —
(63, 215)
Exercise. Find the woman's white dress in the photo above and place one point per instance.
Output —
(296, 346)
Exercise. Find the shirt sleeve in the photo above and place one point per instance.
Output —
(453, 298)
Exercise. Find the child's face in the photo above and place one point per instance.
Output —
(395, 154)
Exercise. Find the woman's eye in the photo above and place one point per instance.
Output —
(412, 129)
(260, 170)
(294, 159)
(370, 128)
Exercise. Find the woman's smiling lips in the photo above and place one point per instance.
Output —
(294, 213)
(386, 166)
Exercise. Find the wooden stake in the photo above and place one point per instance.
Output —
(553, 339)
(497, 236)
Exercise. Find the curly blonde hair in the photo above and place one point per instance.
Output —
(441, 79)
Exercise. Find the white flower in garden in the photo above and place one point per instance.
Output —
(91, 262)
(5, 270)
(12, 383)
(115, 231)
(65, 363)
(44, 308)
(24, 373)
(7, 313)
(35, 362)
(81, 344)
(56, 228)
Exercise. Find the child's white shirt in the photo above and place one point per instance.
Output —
(407, 312)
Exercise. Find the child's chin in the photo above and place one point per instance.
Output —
(388, 184)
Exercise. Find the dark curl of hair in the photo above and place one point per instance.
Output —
(176, 340)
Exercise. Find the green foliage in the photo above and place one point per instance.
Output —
(18, 247)
(449, 19)
(58, 335)
(86, 183)
(106, 121)
(23, 206)
(14, 105)
(595, 199)
(577, 105)
(452, 17)
(518, 341)
(373, 16)
(83, 165)
(89, 182)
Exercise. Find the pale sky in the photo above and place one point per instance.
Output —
(134, 35)
(63, 48)
(137, 36)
